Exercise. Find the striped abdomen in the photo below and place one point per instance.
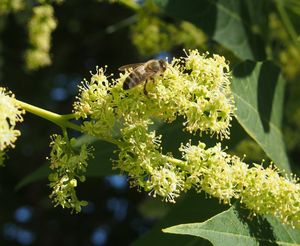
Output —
(137, 76)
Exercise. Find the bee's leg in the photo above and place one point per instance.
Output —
(145, 88)
(145, 85)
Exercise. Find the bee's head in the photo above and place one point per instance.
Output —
(163, 64)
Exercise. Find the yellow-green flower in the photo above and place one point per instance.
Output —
(69, 166)
(197, 88)
(10, 114)
(40, 27)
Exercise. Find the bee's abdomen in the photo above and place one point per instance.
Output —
(132, 80)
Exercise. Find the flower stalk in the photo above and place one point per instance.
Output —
(60, 120)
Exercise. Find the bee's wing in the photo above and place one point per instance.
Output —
(128, 66)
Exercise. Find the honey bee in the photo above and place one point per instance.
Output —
(143, 72)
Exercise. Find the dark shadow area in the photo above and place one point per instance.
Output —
(201, 13)
(259, 227)
(244, 69)
(254, 40)
(267, 82)
(173, 134)
(237, 134)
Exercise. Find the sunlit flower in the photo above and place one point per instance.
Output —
(10, 114)
(68, 166)
(226, 177)
(197, 88)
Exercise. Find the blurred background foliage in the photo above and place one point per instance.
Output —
(46, 49)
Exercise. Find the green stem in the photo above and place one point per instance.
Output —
(60, 120)
(175, 161)
(68, 116)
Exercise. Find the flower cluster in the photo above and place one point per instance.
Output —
(268, 193)
(69, 166)
(140, 156)
(195, 87)
(263, 191)
(40, 26)
(10, 114)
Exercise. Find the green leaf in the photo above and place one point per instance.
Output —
(258, 89)
(191, 207)
(237, 25)
(233, 227)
